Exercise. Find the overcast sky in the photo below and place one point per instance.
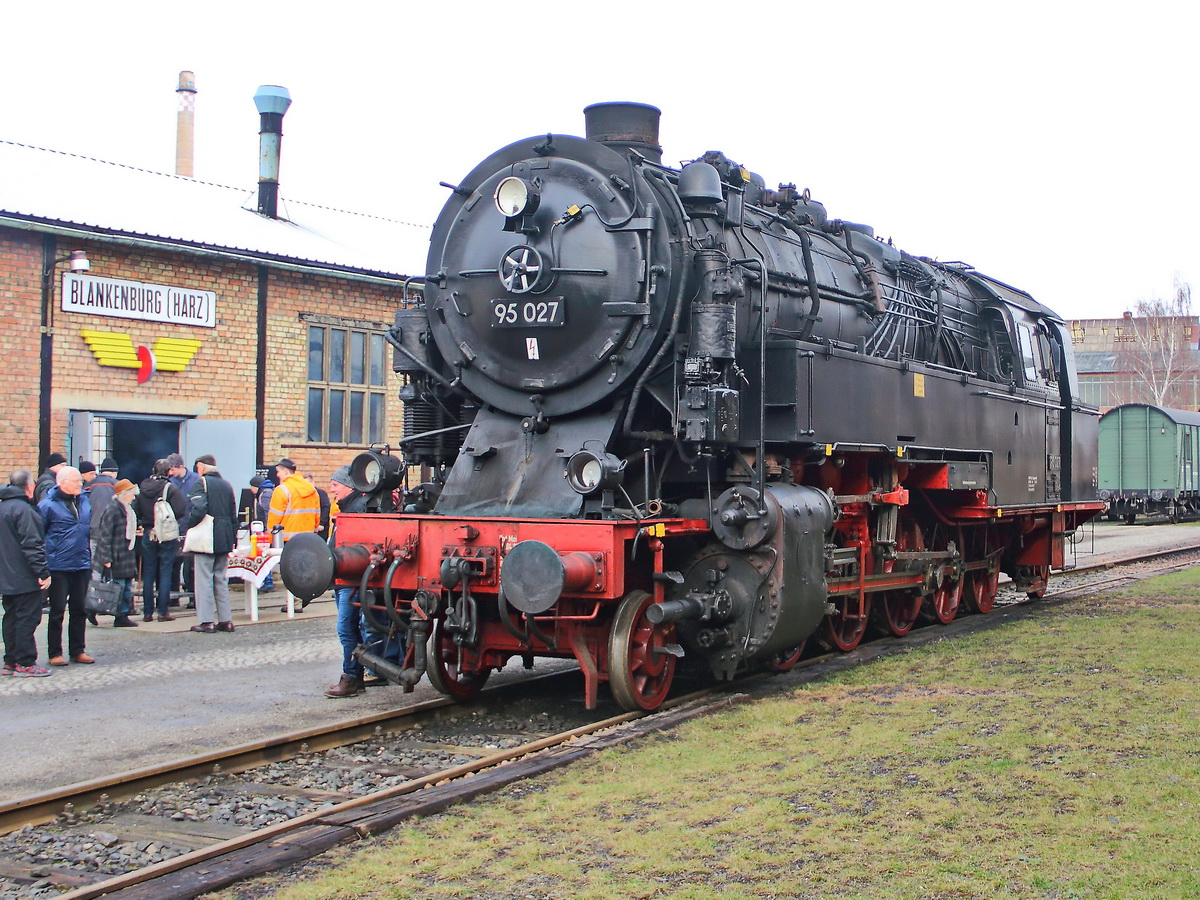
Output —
(1051, 145)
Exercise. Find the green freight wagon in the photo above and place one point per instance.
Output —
(1148, 463)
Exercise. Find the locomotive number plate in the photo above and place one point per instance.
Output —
(547, 313)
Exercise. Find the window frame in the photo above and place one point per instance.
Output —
(340, 394)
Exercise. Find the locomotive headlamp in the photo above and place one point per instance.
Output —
(589, 471)
(516, 197)
(374, 471)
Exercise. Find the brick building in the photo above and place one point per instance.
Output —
(1138, 360)
(200, 324)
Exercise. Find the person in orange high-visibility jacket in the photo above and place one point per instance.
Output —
(294, 503)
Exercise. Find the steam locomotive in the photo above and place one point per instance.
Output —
(674, 417)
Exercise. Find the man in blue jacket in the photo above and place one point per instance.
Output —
(67, 515)
(24, 575)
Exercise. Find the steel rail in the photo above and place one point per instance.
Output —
(43, 807)
(321, 817)
(38, 809)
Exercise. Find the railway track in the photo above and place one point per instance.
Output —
(193, 826)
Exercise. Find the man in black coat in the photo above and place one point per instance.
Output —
(48, 478)
(100, 490)
(24, 575)
(213, 496)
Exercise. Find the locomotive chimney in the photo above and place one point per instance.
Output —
(272, 102)
(185, 126)
(625, 125)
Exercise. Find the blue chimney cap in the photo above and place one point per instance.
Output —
(271, 98)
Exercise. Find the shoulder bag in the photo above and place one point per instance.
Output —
(103, 597)
(199, 538)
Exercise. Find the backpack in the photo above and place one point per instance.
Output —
(166, 528)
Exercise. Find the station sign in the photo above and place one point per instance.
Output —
(95, 296)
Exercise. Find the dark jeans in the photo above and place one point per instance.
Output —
(158, 562)
(349, 630)
(67, 593)
(126, 603)
(352, 630)
(22, 615)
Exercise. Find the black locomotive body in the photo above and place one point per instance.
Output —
(671, 413)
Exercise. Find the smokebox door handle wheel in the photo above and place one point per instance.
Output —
(443, 667)
(640, 664)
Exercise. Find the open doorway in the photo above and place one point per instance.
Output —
(135, 442)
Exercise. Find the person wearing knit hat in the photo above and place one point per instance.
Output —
(87, 469)
(24, 575)
(352, 628)
(114, 542)
(99, 489)
(49, 477)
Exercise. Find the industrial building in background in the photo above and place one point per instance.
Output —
(1151, 355)
(176, 314)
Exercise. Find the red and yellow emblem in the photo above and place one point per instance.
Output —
(116, 348)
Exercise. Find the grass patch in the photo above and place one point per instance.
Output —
(1050, 757)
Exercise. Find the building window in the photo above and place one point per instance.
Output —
(345, 385)
(1077, 333)
(1096, 390)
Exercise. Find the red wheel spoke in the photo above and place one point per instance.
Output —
(639, 674)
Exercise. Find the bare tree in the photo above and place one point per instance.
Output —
(1156, 351)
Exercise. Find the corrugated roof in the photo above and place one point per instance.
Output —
(1178, 416)
(1087, 361)
(54, 188)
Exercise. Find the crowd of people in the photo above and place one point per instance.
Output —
(73, 525)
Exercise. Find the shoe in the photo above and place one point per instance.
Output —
(348, 686)
(167, 618)
(147, 618)
(224, 626)
(91, 617)
(34, 671)
(7, 670)
(204, 627)
(191, 604)
(83, 659)
(374, 681)
(58, 660)
(124, 622)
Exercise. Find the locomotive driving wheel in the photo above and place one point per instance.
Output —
(943, 602)
(640, 665)
(1041, 581)
(895, 612)
(785, 660)
(443, 667)
(982, 586)
(845, 626)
